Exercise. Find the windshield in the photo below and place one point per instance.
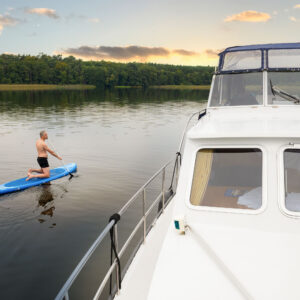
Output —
(237, 89)
(284, 88)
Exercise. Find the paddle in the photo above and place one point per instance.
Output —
(63, 163)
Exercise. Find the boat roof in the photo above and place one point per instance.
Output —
(248, 122)
(262, 47)
(256, 58)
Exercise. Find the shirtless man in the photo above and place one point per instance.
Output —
(42, 149)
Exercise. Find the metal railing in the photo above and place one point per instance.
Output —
(160, 199)
(64, 292)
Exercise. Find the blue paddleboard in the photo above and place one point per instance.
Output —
(22, 184)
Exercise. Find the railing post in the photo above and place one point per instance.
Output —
(67, 296)
(177, 170)
(163, 189)
(117, 249)
(144, 213)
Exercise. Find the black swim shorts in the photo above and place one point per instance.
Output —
(43, 162)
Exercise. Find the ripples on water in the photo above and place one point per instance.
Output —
(117, 138)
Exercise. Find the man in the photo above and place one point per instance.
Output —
(42, 149)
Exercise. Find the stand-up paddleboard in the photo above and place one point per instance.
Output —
(22, 184)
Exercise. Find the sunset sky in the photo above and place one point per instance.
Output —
(188, 32)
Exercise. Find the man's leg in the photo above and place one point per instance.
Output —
(45, 174)
(35, 170)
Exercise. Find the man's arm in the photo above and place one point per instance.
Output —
(51, 152)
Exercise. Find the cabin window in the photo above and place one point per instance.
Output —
(228, 178)
(242, 60)
(237, 89)
(284, 58)
(292, 179)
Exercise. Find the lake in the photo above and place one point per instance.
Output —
(118, 139)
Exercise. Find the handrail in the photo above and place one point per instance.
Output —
(83, 261)
(186, 126)
(64, 292)
(125, 207)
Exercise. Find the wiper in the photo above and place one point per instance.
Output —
(283, 94)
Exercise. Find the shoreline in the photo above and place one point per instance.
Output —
(168, 87)
(47, 87)
(44, 87)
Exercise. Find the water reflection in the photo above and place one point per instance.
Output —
(65, 100)
(46, 202)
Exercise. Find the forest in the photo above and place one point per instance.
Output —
(45, 69)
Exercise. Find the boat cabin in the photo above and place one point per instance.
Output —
(239, 185)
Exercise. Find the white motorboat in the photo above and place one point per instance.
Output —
(232, 229)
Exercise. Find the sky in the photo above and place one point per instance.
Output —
(185, 32)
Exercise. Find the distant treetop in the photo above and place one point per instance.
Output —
(45, 69)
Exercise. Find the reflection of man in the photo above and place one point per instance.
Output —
(42, 149)
(239, 95)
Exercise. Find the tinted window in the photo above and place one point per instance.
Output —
(230, 178)
(292, 179)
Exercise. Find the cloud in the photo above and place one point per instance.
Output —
(49, 12)
(212, 53)
(82, 18)
(6, 21)
(249, 16)
(126, 53)
(94, 20)
(184, 52)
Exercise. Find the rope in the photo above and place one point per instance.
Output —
(116, 217)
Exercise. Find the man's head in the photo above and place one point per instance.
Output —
(44, 135)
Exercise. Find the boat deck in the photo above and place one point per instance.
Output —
(137, 280)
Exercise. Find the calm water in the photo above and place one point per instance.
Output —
(117, 138)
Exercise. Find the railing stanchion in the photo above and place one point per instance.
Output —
(67, 295)
(177, 169)
(144, 214)
(117, 249)
(163, 189)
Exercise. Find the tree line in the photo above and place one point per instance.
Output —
(45, 69)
